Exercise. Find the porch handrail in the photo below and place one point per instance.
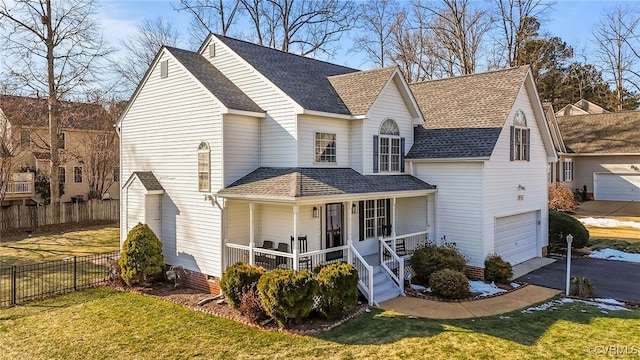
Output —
(399, 279)
(424, 232)
(360, 263)
(324, 251)
(19, 187)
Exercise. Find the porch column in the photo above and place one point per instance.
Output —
(393, 226)
(296, 210)
(252, 243)
(349, 230)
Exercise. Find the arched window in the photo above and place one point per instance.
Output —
(520, 137)
(204, 167)
(389, 148)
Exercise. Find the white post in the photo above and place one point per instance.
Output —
(568, 283)
(393, 226)
(252, 240)
(349, 231)
(296, 210)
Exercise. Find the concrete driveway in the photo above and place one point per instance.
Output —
(611, 279)
(609, 208)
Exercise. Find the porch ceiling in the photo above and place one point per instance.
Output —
(301, 183)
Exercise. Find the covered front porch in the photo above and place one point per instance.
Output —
(367, 229)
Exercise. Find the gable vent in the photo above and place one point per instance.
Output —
(212, 50)
(164, 69)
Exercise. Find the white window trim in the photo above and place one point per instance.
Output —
(567, 170)
(62, 171)
(316, 148)
(377, 217)
(81, 175)
(204, 149)
(389, 153)
(62, 141)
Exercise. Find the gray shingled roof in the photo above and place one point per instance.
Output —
(606, 133)
(358, 90)
(301, 182)
(305, 80)
(148, 180)
(453, 143)
(471, 101)
(218, 84)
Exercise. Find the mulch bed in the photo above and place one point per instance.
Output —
(190, 298)
(473, 297)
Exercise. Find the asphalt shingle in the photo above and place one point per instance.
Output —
(218, 84)
(148, 180)
(302, 182)
(358, 90)
(453, 143)
(606, 133)
(303, 79)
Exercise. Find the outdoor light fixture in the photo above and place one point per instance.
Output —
(354, 209)
(316, 212)
(568, 283)
(520, 187)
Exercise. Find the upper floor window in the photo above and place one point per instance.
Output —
(62, 141)
(204, 168)
(77, 174)
(520, 137)
(62, 175)
(325, 148)
(567, 170)
(388, 148)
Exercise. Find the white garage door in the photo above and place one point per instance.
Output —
(616, 187)
(516, 237)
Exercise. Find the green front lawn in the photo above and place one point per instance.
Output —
(103, 324)
(29, 250)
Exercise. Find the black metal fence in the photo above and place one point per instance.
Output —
(22, 283)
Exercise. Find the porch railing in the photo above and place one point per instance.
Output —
(405, 245)
(393, 264)
(18, 187)
(365, 274)
(271, 259)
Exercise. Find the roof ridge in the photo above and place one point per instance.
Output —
(609, 113)
(282, 51)
(360, 72)
(470, 75)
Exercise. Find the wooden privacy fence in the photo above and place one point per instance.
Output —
(22, 216)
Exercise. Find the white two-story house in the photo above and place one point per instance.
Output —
(239, 152)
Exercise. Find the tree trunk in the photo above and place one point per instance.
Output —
(53, 109)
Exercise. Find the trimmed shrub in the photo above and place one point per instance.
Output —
(251, 307)
(237, 280)
(581, 287)
(561, 225)
(141, 259)
(338, 289)
(497, 270)
(561, 197)
(287, 295)
(449, 284)
(430, 258)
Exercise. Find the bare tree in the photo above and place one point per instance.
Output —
(460, 29)
(55, 46)
(616, 37)
(140, 50)
(518, 22)
(376, 25)
(209, 16)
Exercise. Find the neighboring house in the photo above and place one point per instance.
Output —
(581, 107)
(87, 151)
(554, 169)
(236, 149)
(602, 154)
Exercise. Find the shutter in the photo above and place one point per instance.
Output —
(388, 218)
(401, 154)
(512, 139)
(527, 149)
(361, 218)
(375, 153)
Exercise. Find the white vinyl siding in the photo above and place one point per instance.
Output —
(388, 105)
(459, 209)
(514, 187)
(411, 215)
(241, 146)
(177, 109)
(278, 138)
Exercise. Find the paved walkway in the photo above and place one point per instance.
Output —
(518, 299)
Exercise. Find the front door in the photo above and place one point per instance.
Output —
(334, 234)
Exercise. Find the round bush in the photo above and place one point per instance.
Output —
(287, 295)
(237, 280)
(581, 287)
(430, 258)
(449, 284)
(497, 270)
(338, 289)
(141, 258)
(561, 225)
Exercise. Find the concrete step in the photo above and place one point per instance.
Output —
(384, 288)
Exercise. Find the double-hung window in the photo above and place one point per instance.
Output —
(375, 218)
(388, 148)
(77, 174)
(567, 170)
(520, 138)
(325, 148)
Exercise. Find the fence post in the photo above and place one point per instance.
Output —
(13, 285)
(75, 273)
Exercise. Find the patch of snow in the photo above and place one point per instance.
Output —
(484, 289)
(503, 317)
(552, 305)
(417, 287)
(609, 223)
(515, 285)
(567, 300)
(608, 301)
(611, 254)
